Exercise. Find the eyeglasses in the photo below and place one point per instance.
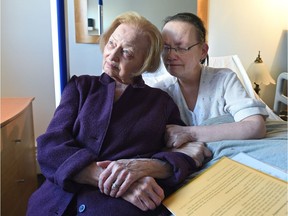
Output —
(178, 50)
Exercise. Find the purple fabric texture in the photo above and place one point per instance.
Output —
(88, 126)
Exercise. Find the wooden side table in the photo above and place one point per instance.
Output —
(18, 161)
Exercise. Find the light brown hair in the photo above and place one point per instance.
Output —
(153, 52)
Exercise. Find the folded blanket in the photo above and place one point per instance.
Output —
(272, 149)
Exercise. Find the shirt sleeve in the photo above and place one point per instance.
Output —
(237, 101)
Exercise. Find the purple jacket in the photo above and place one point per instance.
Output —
(88, 126)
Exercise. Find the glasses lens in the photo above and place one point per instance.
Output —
(181, 50)
(166, 49)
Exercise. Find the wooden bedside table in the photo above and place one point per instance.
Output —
(18, 162)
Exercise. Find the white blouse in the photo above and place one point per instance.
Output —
(220, 93)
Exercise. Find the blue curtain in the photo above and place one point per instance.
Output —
(62, 44)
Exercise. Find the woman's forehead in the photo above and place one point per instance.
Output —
(130, 35)
(178, 31)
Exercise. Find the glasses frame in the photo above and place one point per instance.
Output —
(178, 50)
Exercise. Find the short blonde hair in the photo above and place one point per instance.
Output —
(153, 52)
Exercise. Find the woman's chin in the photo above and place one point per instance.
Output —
(113, 76)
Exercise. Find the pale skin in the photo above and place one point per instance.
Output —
(135, 177)
(187, 68)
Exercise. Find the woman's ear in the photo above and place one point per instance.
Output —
(205, 49)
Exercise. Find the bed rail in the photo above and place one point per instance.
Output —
(281, 92)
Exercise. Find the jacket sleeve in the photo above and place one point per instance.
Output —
(182, 164)
(59, 155)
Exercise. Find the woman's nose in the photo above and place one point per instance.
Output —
(114, 54)
(172, 54)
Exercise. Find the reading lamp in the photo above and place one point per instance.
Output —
(259, 74)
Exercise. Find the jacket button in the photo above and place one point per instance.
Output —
(81, 208)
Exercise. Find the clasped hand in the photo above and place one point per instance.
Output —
(131, 179)
(127, 179)
(180, 139)
(117, 176)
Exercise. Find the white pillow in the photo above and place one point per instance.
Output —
(161, 74)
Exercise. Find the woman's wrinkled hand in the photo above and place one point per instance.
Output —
(118, 176)
(198, 151)
(145, 194)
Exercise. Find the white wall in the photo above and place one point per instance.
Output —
(247, 26)
(26, 56)
(87, 58)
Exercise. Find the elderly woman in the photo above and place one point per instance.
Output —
(202, 92)
(101, 154)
